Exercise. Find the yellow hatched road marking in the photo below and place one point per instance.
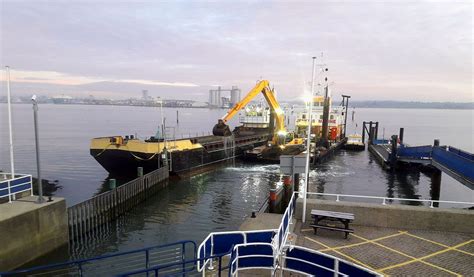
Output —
(416, 259)
(364, 242)
(440, 244)
(342, 254)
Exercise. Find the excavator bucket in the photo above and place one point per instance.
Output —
(221, 129)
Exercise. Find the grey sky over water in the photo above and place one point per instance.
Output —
(387, 50)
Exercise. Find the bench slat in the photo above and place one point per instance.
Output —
(332, 214)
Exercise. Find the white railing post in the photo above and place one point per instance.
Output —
(9, 192)
(383, 202)
(31, 184)
(211, 266)
(337, 198)
(432, 202)
(336, 268)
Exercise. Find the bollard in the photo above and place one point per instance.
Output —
(436, 143)
(376, 133)
(400, 136)
(140, 171)
(393, 155)
(253, 215)
(287, 189)
(363, 131)
(112, 184)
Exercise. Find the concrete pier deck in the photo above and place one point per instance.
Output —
(396, 252)
(29, 230)
(396, 249)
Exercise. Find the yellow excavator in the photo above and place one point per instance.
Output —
(280, 133)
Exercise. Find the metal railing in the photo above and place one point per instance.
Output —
(222, 243)
(185, 268)
(110, 265)
(388, 200)
(297, 259)
(10, 187)
(255, 255)
(279, 240)
(107, 206)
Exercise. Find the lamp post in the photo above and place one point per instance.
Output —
(38, 167)
(12, 163)
(308, 142)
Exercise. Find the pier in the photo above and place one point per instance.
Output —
(394, 153)
(28, 229)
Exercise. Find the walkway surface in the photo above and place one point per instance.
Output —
(395, 252)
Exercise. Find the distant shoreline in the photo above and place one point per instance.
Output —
(364, 105)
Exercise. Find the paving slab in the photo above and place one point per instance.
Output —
(396, 252)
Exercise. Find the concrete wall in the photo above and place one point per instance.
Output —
(29, 230)
(396, 216)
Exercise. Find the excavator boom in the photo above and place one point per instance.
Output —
(221, 129)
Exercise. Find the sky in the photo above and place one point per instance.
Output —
(374, 50)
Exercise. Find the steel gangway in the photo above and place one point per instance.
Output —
(221, 253)
(455, 162)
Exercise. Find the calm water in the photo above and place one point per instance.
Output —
(221, 199)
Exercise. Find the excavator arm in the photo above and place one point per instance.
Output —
(221, 129)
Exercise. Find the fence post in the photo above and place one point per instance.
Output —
(140, 171)
(112, 184)
(336, 268)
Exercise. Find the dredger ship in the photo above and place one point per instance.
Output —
(261, 137)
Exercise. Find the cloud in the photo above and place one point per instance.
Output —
(236, 43)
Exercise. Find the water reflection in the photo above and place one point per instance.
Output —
(359, 173)
(189, 208)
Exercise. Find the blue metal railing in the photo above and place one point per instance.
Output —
(222, 243)
(11, 186)
(252, 256)
(307, 261)
(178, 268)
(117, 263)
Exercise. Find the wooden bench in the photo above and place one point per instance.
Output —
(344, 218)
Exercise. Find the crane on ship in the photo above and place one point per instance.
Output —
(222, 129)
(279, 144)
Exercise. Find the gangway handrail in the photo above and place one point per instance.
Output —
(79, 263)
(203, 261)
(157, 268)
(385, 199)
(235, 257)
(336, 260)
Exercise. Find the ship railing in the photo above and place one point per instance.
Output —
(388, 200)
(222, 243)
(9, 186)
(110, 265)
(254, 119)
